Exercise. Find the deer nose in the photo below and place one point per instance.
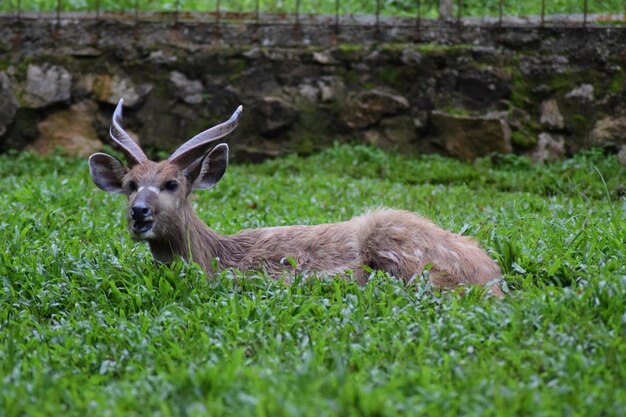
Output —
(140, 211)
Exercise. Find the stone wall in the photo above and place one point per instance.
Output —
(463, 92)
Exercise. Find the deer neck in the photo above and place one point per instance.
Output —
(191, 239)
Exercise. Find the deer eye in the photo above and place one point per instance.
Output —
(171, 185)
(132, 186)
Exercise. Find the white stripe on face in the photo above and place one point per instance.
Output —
(150, 188)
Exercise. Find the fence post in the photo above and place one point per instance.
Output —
(58, 12)
(377, 15)
(217, 12)
(136, 11)
(446, 9)
(257, 11)
(176, 10)
(297, 13)
(97, 9)
(459, 12)
(500, 8)
(337, 16)
(585, 12)
(418, 17)
(19, 10)
(543, 12)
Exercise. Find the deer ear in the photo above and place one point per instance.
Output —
(107, 172)
(207, 171)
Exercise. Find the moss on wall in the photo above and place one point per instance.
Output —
(617, 82)
(523, 139)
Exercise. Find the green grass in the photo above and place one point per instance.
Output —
(90, 326)
(428, 8)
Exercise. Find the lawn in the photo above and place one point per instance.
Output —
(90, 326)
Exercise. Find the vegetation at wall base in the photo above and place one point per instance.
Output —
(407, 8)
(90, 326)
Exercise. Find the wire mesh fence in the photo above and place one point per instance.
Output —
(339, 12)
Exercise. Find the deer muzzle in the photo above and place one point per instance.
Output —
(141, 218)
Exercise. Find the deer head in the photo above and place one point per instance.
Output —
(157, 191)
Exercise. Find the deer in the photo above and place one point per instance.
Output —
(159, 211)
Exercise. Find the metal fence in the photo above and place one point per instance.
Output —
(338, 12)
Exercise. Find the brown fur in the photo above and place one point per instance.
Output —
(394, 241)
